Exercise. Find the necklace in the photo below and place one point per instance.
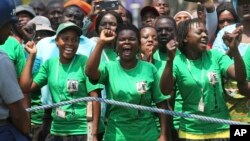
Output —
(201, 104)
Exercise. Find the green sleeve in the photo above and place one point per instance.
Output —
(157, 95)
(104, 73)
(90, 87)
(223, 60)
(21, 60)
(41, 77)
(247, 63)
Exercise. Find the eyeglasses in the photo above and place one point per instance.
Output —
(226, 20)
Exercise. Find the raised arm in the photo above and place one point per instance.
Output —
(94, 60)
(167, 79)
(232, 40)
(26, 80)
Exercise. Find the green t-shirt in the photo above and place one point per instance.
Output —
(191, 77)
(109, 55)
(67, 82)
(36, 116)
(16, 54)
(160, 60)
(138, 85)
(247, 63)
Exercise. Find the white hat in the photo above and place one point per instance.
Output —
(42, 23)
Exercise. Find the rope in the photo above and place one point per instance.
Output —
(139, 107)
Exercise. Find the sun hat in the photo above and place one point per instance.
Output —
(68, 25)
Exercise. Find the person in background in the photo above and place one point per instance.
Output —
(236, 101)
(149, 43)
(14, 120)
(42, 28)
(207, 13)
(226, 15)
(124, 13)
(182, 16)
(148, 16)
(162, 6)
(54, 13)
(142, 79)
(201, 85)
(24, 13)
(67, 81)
(39, 7)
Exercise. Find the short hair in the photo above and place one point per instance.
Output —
(182, 31)
(128, 27)
(102, 14)
(166, 17)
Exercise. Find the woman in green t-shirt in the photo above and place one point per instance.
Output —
(66, 81)
(198, 73)
(129, 80)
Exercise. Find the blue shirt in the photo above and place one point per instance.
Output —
(222, 47)
(47, 48)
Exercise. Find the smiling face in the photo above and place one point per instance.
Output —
(67, 42)
(196, 39)
(149, 40)
(127, 45)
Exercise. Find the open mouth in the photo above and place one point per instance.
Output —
(204, 42)
(127, 51)
(68, 50)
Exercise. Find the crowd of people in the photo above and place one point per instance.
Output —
(65, 50)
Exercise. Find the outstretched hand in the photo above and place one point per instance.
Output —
(232, 40)
(171, 47)
(30, 47)
(107, 35)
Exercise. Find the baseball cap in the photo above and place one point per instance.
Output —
(42, 23)
(146, 9)
(7, 12)
(68, 25)
(26, 8)
(84, 6)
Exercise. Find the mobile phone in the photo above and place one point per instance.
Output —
(107, 5)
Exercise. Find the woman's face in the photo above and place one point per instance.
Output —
(108, 22)
(127, 45)
(149, 40)
(67, 42)
(148, 19)
(225, 18)
(197, 38)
